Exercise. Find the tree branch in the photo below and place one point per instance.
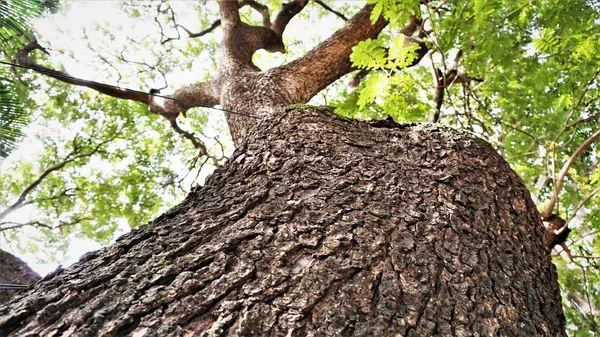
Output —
(23, 59)
(241, 40)
(582, 203)
(197, 144)
(204, 94)
(261, 9)
(330, 60)
(287, 12)
(212, 27)
(230, 15)
(331, 10)
(563, 173)
(71, 157)
(13, 225)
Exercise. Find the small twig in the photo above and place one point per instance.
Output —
(584, 236)
(586, 257)
(197, 144)
(582, 203)
(583, 92)
(71, 157)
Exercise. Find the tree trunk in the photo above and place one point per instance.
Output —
(320, 226)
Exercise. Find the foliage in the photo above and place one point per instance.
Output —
(14, 29)
(537, 104)
(536, 101)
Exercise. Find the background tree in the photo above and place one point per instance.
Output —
(502, 70)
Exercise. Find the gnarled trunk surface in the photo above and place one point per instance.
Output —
(320, 226)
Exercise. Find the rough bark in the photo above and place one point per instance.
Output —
(319, 226)
(15, 272)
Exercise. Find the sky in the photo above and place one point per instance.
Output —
(83, 30)
(67, 34)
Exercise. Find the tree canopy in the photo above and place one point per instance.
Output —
(522, 75)
(15, 29)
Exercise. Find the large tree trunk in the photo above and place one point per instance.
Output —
(319, 226)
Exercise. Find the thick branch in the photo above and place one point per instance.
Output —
(241, 40)
(330, 60)
(230, 15)
(23, 59)
(563, 173)
(205, 94)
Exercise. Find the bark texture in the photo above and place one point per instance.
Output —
(319, 226)
(14, 271)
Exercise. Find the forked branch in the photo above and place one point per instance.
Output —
(260, 8)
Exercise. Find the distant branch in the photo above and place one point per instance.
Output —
(582, 203)
(160, 11)
(4, 226)
(563, 173)
(14, 225)
(286, 14)
(23, 59)
(261, 9)
(75, 154)
(329, 9)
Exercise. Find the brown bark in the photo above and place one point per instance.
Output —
(319, 226)
(13, 271)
